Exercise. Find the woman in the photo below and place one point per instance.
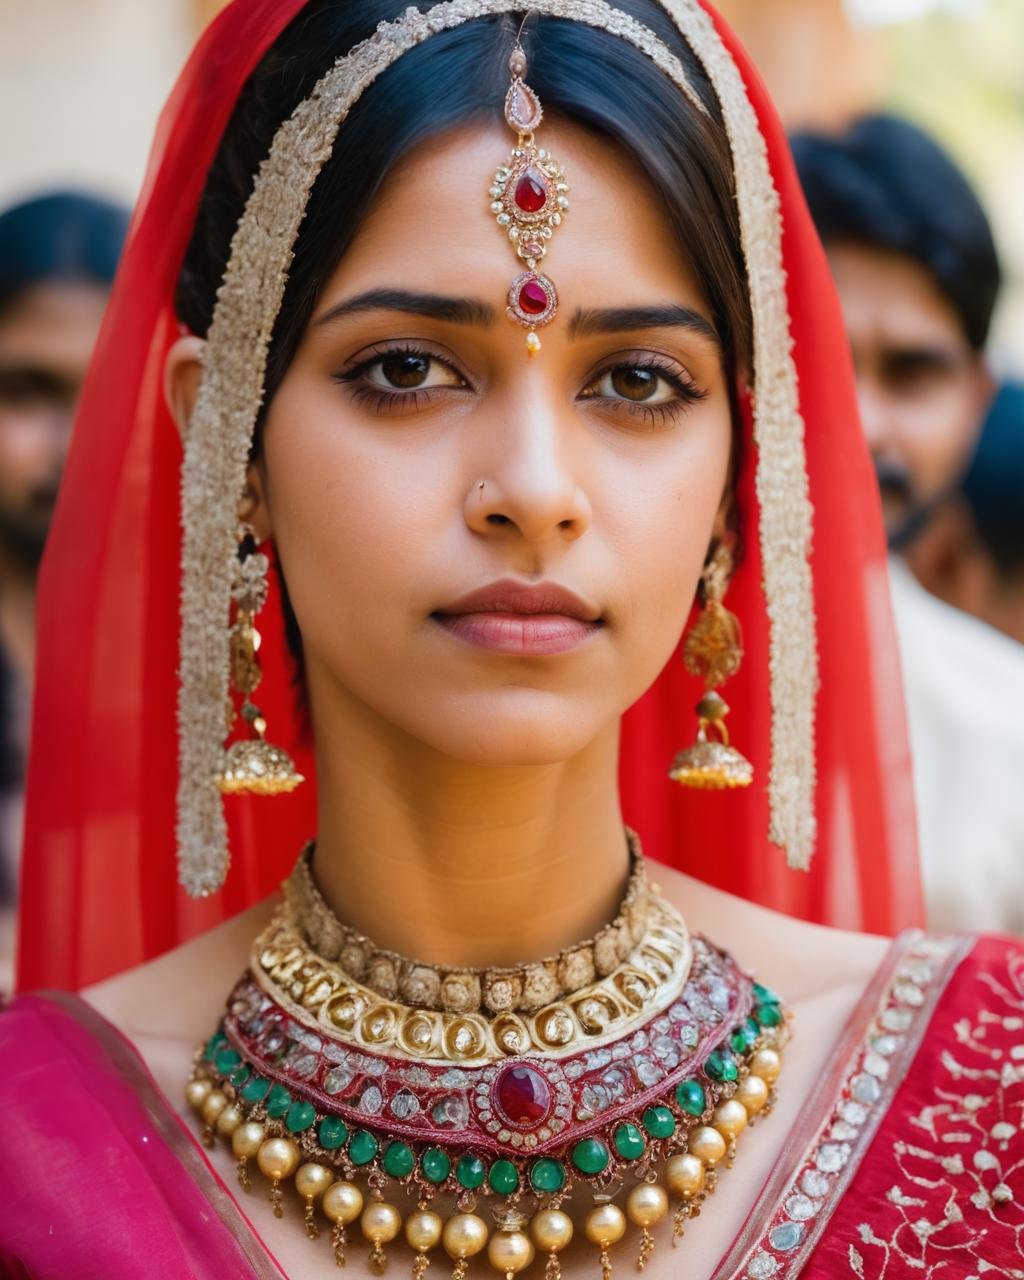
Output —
(486, 552)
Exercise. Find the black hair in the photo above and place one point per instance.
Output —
(886, 184)
(994, 483)
(67, 235)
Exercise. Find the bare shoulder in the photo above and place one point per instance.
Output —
(180, 995)
(801, 960)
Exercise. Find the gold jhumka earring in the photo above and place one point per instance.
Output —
(251, 766)
(529, 198)
(713, 650)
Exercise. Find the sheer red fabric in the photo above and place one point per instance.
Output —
(99, 892)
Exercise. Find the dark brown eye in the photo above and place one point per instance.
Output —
(405, 370)
(633, 383)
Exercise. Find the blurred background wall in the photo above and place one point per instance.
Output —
(82, 82)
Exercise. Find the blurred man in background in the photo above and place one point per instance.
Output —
(58, 255)
(918, 276)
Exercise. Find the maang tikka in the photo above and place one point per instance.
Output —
(713, 650)
(529, 198)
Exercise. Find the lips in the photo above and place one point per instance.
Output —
(523, 619)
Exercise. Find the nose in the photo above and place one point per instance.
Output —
(526, 482)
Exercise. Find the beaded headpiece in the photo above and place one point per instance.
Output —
(220, 434)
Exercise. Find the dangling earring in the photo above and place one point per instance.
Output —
(713, 650)
(251, 766)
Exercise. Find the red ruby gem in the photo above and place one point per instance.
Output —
(523, 1095)
(531, 194)
(532, 298)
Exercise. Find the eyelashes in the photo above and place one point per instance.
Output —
(398, 379)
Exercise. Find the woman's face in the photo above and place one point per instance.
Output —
(491, 553)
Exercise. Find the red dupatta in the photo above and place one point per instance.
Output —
(99, 888)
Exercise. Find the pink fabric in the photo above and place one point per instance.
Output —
(105, 1181)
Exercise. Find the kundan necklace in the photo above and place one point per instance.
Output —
(626, 1066)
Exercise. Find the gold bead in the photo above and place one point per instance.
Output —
(342, 1202)
(312, 1180)
(277, 1158)
(215, 1103)
(228, 1120)
(685, 1176)
(605, 1224)
(510, 1251)
(646, 1204)
(464, 1235)
(196, 1093)
(247, 1139)
(767, 1064)
(707, 1144)
(730, 1118)
(380, 1222)
(753, 1093)
(551, 1229)
(423, 1229)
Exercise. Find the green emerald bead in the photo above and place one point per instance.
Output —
(239, 1076)
(745, 1036)
(362, 1148)
(659, 1122)
(547, 1175)
(399, 1160)
(255, 1089)
(278, 1102)
(691, 1097)
(721, 1066)
(300, 1116)
(215, 1042)
(764, 995)
(629, 1141)
(769, 1015)
(470, 1172)
(437, 1165)
(503, 1177)
(226, 1060)
(333, 1133)
(590, 1156)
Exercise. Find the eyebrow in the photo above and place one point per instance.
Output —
(432, 305)
(621, 319)
(472, 311)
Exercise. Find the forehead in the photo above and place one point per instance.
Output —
(55, 321)
(431, 224)
(888, 299)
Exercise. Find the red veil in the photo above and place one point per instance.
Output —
(99, 885)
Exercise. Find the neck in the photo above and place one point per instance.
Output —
(18, 613)
(458, 864)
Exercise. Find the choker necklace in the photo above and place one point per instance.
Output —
(464, 1090)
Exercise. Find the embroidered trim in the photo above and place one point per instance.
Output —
(812, 1175)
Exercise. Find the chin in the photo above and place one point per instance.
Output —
(524, 736)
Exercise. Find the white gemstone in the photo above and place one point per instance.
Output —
(595, 1098)
(668, 1051)
(371, 1100)
(504, 1135)
(814, 1183)
(908, 993)
(917, 971)
(887, 1045)
(405, 1104)
(503, 219)
(337, 1079)
(614, 1081)
(876, 1065)
(842, 1132)
(451, 1112)
(562, 202)
(305, 1067)
(762, 1266)
(648, 1072)
(832, 1156)
(800, 1208)
(787, 1237)
(494, 191)
(852, 1112)
(896, 1019)
(865, 1089)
